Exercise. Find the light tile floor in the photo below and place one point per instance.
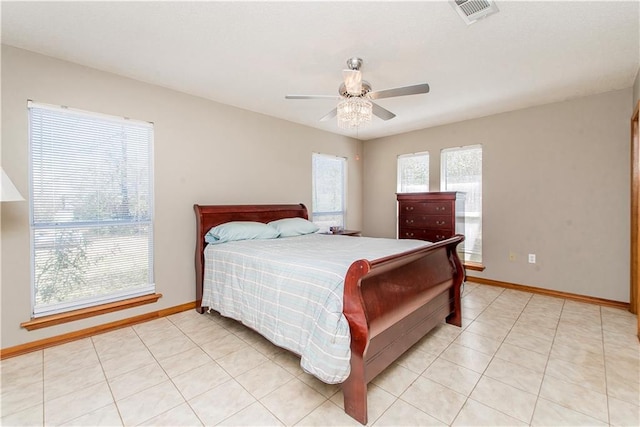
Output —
(519, 359)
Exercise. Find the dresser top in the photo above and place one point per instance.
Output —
(440, 195)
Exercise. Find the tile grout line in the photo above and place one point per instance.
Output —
(243, 387)
(294, 377)
(544, 372)
(436, 358)
(214, 361)
(171, 379)
(420, 375)
(232, 377)
(576, 384)
(93, 344)
(516, 321)
(482, 374)
(604, 358)
(503, 341)
(82, 388)
(168, 376)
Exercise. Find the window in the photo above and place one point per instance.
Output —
(329, 183)
(413, 173)
(461, 170)
(91, 209)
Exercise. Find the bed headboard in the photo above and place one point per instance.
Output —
(212, 215)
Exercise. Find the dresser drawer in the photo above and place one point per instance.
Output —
(426, 221)
(444, 207)
(431, 216)
(422, 234)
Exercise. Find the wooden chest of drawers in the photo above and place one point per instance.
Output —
(430, 216)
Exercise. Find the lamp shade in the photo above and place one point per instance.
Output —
(9, 192)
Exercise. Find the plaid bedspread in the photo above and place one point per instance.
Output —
(290, 290)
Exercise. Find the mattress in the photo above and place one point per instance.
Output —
(290, 290)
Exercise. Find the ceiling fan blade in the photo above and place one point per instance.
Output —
(383, 113)
(311, 97)
(330, 115)
(353, 81)
(399, 91)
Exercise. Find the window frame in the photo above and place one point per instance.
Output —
(315, 214)
(399, 170)
(83, 306)
(473, 253)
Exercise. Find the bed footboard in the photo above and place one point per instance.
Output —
(391, 303)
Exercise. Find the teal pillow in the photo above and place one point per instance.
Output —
(290, 227)
(240, 230)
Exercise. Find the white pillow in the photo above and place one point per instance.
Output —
(290, 227)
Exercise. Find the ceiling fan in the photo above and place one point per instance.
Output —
(356, 106)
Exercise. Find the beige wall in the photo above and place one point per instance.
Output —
(636, 90)
(555, 183)
(205, 153)
(555, 180)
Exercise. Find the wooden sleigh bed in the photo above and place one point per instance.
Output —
(389, 303)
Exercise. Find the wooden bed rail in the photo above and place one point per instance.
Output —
(391, 304)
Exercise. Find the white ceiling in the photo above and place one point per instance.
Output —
(251, 54)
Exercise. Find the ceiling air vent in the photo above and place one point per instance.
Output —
(473, 10)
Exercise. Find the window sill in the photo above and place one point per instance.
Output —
(470, 265)
(83, 313)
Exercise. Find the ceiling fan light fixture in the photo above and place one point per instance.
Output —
(355, 107)
(354, 112)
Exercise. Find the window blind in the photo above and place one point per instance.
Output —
(413, 173)
(461, 170)
(329, 183)
(91, 208)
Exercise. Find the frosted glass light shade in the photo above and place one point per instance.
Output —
(9, 192)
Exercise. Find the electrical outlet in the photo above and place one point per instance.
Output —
(532, 258)
(512, 256)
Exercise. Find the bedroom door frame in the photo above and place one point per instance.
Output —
(634, 299)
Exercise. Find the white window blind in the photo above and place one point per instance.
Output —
(413, 173)
(91, 208)
(461, 170)
(329, 184)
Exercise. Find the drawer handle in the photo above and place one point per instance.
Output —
(439, 237)
(440, 222)
(441, 208)
(409, 221)
(409, 208)
(408, 234)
